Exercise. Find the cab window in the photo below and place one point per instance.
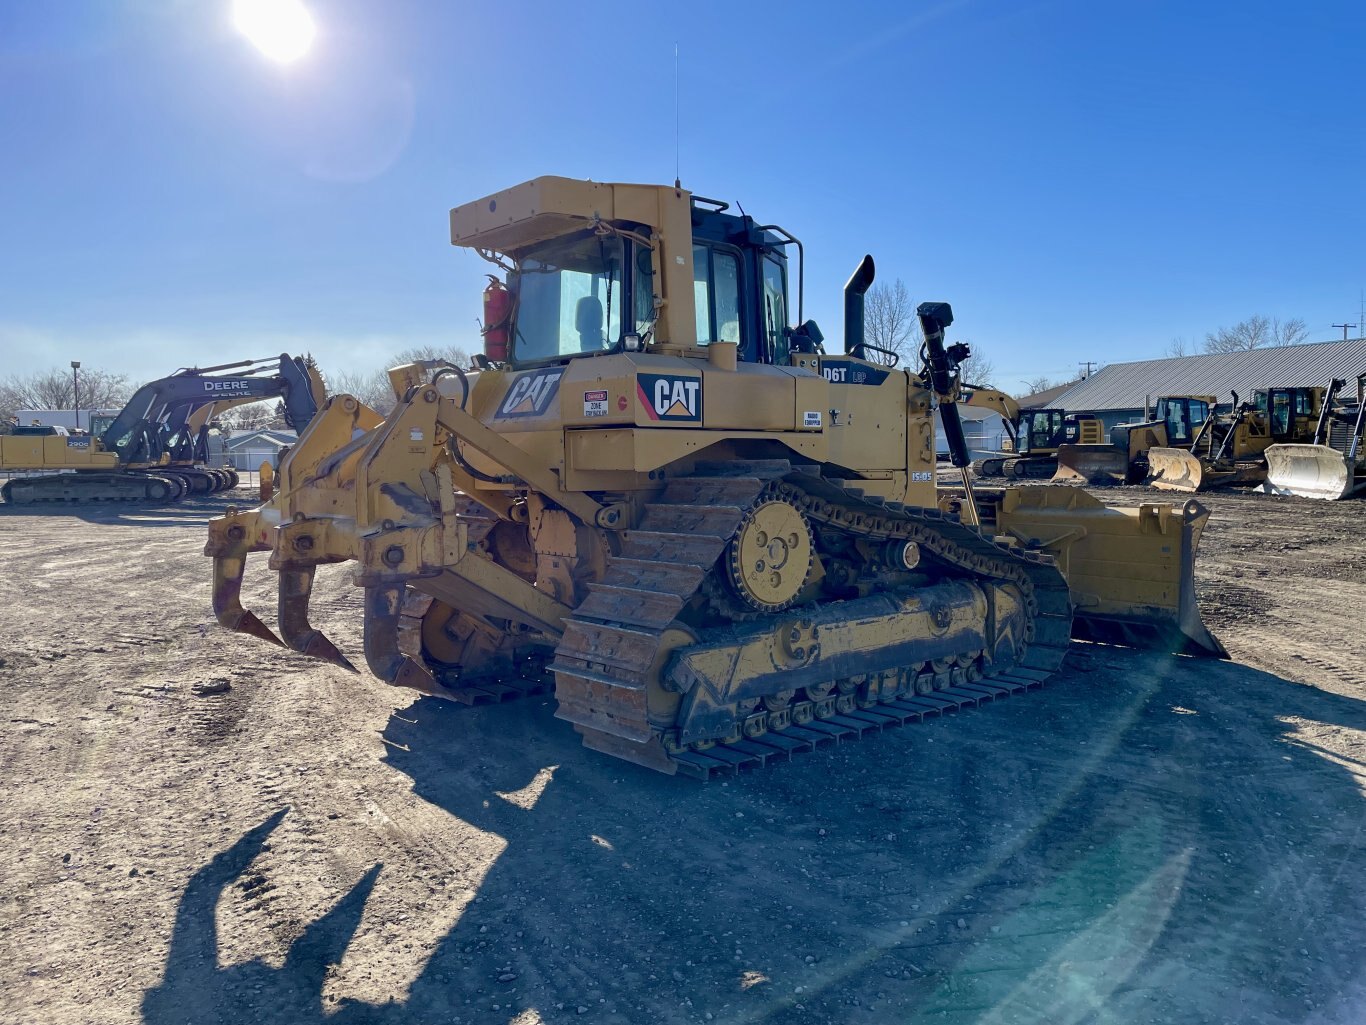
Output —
(716, 295)
(775, 311)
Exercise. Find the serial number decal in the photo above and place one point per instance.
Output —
(847, 371)
(531, 393)
(919, 475)
(595, 403)
(670, 396)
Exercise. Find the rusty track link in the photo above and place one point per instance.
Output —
(616, 637)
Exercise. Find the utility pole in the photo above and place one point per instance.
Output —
(76, 389)
(1344, 329)
(1087, 372)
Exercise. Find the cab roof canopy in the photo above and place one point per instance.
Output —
(544, 208)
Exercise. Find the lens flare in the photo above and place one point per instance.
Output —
(282, 30)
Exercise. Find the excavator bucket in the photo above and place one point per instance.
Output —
(1130, 570)
(1311, 471)
(1091, 464)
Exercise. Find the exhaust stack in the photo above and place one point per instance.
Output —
(859, 282)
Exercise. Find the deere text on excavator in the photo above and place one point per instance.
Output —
(722, 544)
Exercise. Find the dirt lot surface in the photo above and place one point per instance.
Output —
(1147, 839)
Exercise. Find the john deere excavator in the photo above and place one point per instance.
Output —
(1174, 424)
(723, 544)
(1230, 449)
(1034, 436)
(127, 457)
(1332, 464)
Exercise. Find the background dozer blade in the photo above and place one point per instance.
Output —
(1175, 469)
(1131, 570)
(1091, 464)
(1310, 471)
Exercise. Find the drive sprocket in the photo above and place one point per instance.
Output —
(769, 559)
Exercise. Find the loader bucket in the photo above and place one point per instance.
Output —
(1310, 471)
(1130, 570)
(1091, 464)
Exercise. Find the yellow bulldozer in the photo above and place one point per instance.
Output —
(719, 543)
(1332, 463)
(1173, 424)
(1230, 449)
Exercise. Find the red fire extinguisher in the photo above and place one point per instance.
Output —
(497, 320)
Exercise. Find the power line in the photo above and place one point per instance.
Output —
(1088, 365)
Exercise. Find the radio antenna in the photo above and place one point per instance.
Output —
(678, 181)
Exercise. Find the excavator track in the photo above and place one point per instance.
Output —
(621, 636)
(133, 486)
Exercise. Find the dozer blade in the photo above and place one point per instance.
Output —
(1175, 469)
(1131, 570)
(227, 599)
(296, 587)
(1310, 471)
(1091, 464)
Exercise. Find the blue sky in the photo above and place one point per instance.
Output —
(1082, 179)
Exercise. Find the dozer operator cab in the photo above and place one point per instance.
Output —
(1181, 416)
(595, 291)
(1282, 407)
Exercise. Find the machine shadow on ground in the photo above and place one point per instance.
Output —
(1149, 838)
(191, 511)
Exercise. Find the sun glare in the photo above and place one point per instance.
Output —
(283, 30)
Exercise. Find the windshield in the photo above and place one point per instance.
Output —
(569, 298)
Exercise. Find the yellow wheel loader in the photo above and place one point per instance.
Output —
(1034, 436)
(1230, 449)
(719, 543)
(1174, 424)
(1333, 464)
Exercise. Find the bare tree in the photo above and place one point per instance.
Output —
(418, 353)
(1290, 332)
(53, 389)
(251, 417)
(372, 388)
(1038, 384)
(889, 321)
(1256, 331)
(979, 368)
(1179, 346)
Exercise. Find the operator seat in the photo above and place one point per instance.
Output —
(588, 322)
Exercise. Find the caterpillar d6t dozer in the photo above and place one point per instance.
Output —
(1174, 424)
(1333, 464)
(1230, 449)
(718, 542)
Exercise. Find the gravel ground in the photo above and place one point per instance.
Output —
(203, 828)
